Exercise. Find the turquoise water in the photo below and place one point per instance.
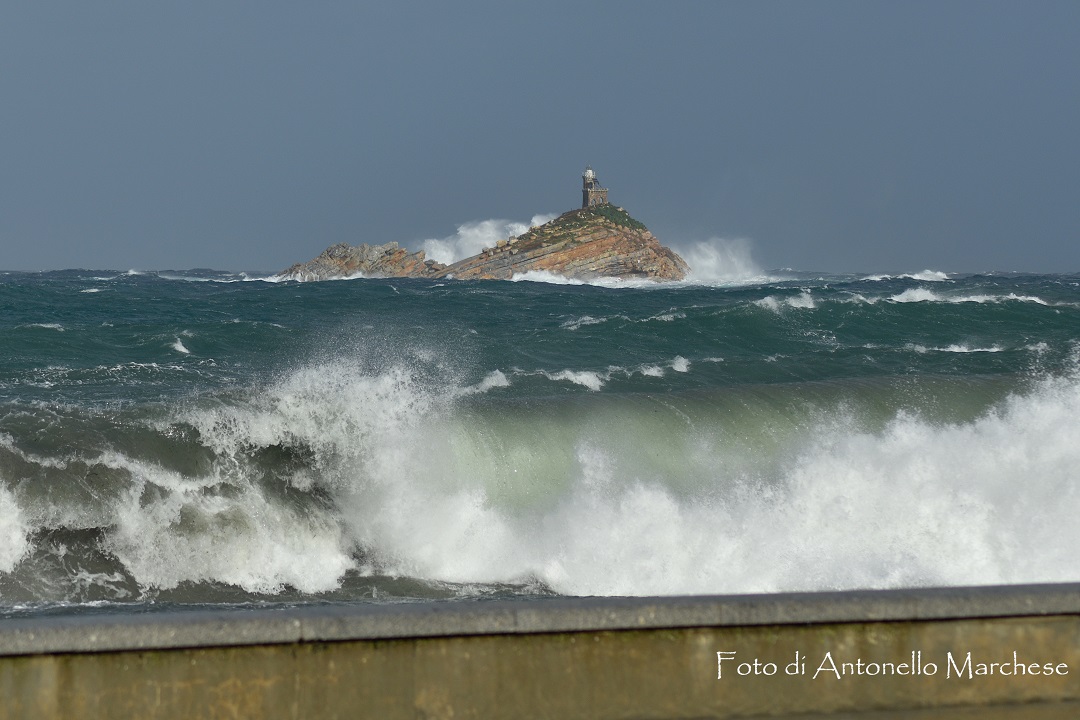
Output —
(213, 438)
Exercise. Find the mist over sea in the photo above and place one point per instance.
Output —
(210, 438)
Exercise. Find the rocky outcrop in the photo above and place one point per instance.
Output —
(585, 244)
(344, 260)
(594, 242)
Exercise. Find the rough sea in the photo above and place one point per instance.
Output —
(202, 438)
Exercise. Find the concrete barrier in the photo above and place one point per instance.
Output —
(931, 653)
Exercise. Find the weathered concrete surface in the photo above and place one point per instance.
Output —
(569, 658)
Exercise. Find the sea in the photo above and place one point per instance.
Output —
(232, 440)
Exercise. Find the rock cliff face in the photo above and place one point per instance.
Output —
(594, 242)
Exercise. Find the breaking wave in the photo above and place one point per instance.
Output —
(925, 276)
(338, 469)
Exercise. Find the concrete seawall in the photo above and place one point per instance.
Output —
(930, 653)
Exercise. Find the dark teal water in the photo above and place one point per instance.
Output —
(205, 437)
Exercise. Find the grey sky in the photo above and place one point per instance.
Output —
(839, 136)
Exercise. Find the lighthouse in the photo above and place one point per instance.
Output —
(591, 192)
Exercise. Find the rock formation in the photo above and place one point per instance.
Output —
(344, 260)
(593, 242)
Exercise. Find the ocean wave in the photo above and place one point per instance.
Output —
(584, 320)
(575, 323)
(543, 276)
(595, 380)
(926, 295)
(954, 348)
(925, 276)
(551, 278)
(853, 508)
(957, 348)
(803, 301)
(43, 326)
(14, 532)
(449, 437)
(336, 469)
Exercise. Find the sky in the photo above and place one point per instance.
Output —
(853, 136)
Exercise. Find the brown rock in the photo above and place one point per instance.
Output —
(343, 260)
(594, 242)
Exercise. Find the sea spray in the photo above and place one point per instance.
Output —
(723, 261)
(473, 237)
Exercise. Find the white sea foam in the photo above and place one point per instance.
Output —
(620, 502)
(723, 262)
(596, 379)
(925, 276)
(804, 300)
(575, 323)
(171, 529)
(178, 346)
(586, 378)
(719, 262)
(13, 532)
(916, 295)
(473, 237)
(960, 348)
(494, 379)
(926, 295)
(180, 533)
(543, 276)
(917, 503)
(953, 348)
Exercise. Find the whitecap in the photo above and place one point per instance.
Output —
(929, 276)
(14, 532)
(494, 379)
(575, 323)
(925, 276)
(543, 276)
(586, 378)
(916, 295)
(803, 301)
(957, 348)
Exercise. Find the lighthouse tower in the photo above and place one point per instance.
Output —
(591, 192)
